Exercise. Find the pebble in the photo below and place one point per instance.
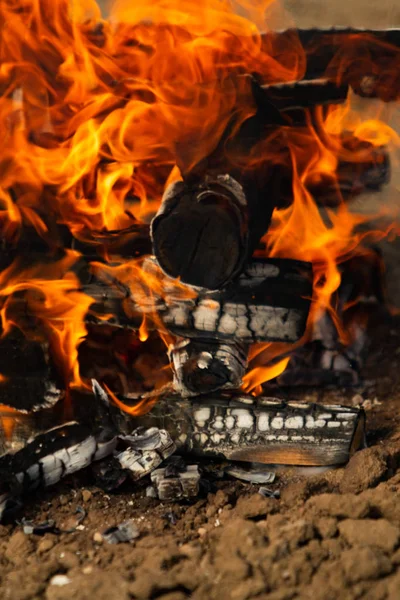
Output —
(86, 495)
(60, 580)
(63, 500)
(45, 545)
(87, 570)
(201, 531)
(98, 538)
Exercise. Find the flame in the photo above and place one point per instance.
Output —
(9, 418)
(52, 298)
(97, 117)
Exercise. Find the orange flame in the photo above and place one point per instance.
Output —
(97, 117)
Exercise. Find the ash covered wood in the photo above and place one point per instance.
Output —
(204, 366)
(146, 453)
(262, 429)
(270, 301)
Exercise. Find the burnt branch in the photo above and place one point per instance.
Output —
(204, 366)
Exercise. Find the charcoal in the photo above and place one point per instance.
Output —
(109, 475)
(252, 473)
(366, 59)
(146, 453)
(200, 231)
(268, 493)
(30, 528)
(125, 532)
(180, 485)
(305, 93)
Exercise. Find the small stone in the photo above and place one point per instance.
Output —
(63, 500)
(60, 580)
(370, 532)
(98, 538)
(86, 495)
(87, 570)
(45, 545)
(202, 531)
(365, 470)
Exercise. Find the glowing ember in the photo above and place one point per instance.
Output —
(97, 118)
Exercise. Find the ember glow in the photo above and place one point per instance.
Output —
(98, 117)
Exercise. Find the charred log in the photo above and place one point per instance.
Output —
(366, 59)
(200, 232)
(270, 301)
(263, 430)
(204, 366)
(28, 382)
(294, 95)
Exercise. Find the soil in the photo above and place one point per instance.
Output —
(331, 534)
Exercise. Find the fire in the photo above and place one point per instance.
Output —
(97, 118)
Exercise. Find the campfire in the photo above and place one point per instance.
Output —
(180, 250)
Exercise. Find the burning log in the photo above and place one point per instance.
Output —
(265, 430)
(368, 174)
(200, 232)
(367, 59)
(204, 366)
(294, 95)
(270, 301)
(28, 389)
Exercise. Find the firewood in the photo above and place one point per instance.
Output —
(265, 430)
(200, 231)
(183, 484)
(270, 301)
(293, 95)
(204, 366)
(367, 59)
